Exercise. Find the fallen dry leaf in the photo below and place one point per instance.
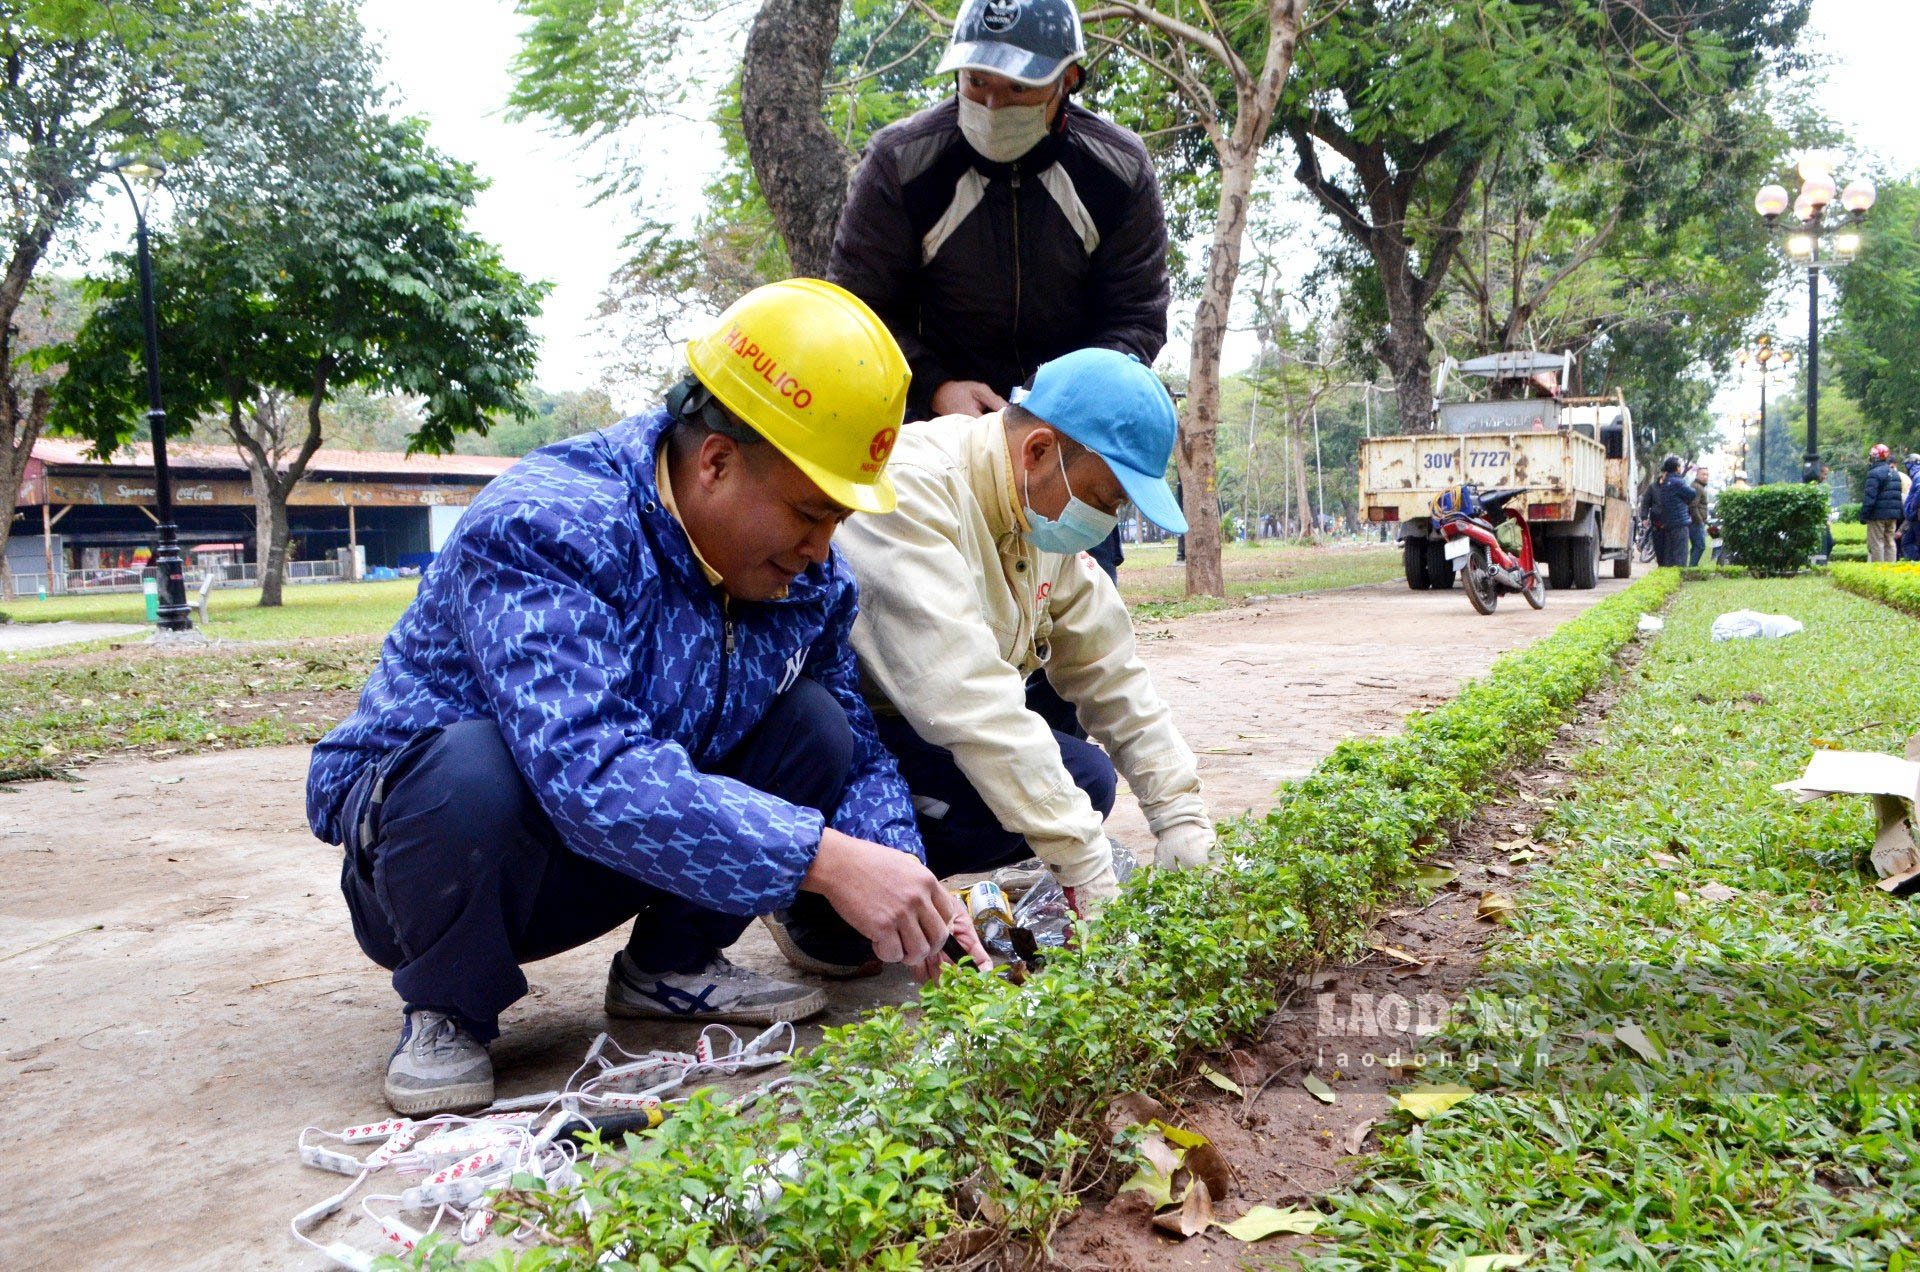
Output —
(1495, 906)
(1194, 1215)
(1220, 1079)
(1717, 892)
(1394, 951)
(1357, 1136)
(1429, 1102)
(1665, 859)
(1632, 1035)
(1265, 1221)
(1320, 1090)
(1499, 871)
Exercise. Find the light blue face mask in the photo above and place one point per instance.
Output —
(1081, 525)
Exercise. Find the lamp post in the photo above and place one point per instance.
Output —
(1766, 357)
(174, 615)
(1821, 248)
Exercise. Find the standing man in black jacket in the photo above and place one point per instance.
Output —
(1006, 226)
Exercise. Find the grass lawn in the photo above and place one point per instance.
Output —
(1726, 1004)
(311, 610)
(1154, 585)
(302, 665)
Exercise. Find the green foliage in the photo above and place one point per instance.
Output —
(1879, 314)
(387, 289)
(1517, 174)
(1896, 583)
(1006, 1086)
(1778, 1128)
(1773, 529)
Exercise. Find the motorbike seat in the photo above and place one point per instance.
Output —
(1494, 500)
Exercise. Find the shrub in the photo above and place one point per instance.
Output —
(1897, 584)
(1004, 1088)
(1773, 529)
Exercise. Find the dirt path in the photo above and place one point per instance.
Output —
(156, 1068)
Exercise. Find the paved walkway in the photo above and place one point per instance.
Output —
(15, 637)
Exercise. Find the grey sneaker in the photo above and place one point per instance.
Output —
(790, 948)
(717, 992)
(438, 1067)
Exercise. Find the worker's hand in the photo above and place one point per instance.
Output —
(962, 931)
(966, 397)
(1184, 847)
(886, 895)
(1089, 898)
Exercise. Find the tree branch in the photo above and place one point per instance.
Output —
(1174, 28)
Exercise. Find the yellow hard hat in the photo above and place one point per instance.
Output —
(809, 367)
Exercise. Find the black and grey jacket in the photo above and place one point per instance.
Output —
(985, 270)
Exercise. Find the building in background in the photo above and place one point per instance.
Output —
(86, 524)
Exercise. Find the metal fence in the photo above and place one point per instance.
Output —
(103, 582)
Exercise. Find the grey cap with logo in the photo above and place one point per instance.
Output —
(1029, 41)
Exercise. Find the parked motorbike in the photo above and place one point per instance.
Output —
(1467, 520)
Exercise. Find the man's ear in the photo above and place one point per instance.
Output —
(719, 458)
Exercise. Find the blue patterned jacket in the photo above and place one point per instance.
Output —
(568, 607)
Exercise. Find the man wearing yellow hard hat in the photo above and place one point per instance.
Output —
(625, 692)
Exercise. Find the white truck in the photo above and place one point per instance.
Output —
(1573, 456)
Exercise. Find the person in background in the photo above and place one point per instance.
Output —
(1006, 225)
(1910, 510)
(1880, 505)
(1697, 530)
(1666, 506)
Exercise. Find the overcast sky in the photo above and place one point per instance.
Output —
(448, 61)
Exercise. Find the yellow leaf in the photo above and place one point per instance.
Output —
(1394, 951)
(1486, 1262)
(1429, 1102)
(1497, 906)
(1180, 1135)
(1264, 1221)
(1220, 1079)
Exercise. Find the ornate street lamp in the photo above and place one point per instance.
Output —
(1765, 356)
(174, 615)
(1821, 247)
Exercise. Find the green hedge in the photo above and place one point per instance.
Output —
(1772, 529)
(994, 1094)
(1897, 584)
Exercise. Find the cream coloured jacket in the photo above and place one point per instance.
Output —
(956, 608)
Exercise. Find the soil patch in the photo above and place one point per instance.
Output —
(1359, 1028)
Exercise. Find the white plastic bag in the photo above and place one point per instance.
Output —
(1748, 624)
(1649, 624)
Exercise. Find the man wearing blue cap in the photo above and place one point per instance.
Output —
(976, 580)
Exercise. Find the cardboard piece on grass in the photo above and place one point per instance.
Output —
(1894, 785)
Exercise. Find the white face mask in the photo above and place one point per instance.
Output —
(1005, 134)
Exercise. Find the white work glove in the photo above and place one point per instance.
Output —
(1089, 898)
(1184, 847)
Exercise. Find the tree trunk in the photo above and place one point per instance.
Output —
(1198, 432)
(1309, 525)
(273, 571)
(1408, 352)
(801, 166)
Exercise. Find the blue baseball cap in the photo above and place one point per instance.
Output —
(1112, 404)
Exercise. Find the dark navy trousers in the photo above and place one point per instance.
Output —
(961, 833)
(455, 877)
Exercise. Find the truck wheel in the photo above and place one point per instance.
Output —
(1623, 567)
(1583, 562)
(1553, 553)
(1439, 569)
(1413, 555)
